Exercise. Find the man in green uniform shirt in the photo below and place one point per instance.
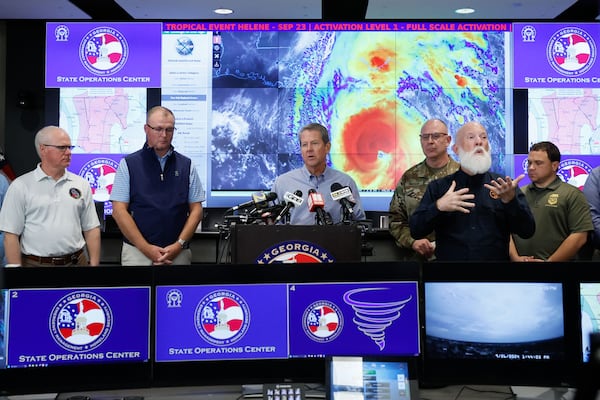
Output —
(562, 215)
(437, 163)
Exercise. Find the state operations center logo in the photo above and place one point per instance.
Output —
(322, 321)
(571, 51)
(100, 173)
(574, 172)
(222, 317)
(103, 51)
(80, 321)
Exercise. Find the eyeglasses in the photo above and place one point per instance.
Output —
(435, 136)
(168, 131)
(60, 148)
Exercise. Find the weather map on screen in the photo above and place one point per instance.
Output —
(242, 91)
(373, 90)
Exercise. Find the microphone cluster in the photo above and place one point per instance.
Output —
(257, 210)
(261, 210)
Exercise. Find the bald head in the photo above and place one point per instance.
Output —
(470, 129)
(50, 135)
(434, 142)
(434, 125)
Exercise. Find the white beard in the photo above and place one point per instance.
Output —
(475, 163)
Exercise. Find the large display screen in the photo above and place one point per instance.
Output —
(48, 327)
(221, 322)
(506, 323)
(375, 318)
(556, 64)
(242, 91)
(286, 320)
(273, 324)
(65, 329)
(470, 320)
(569, 118)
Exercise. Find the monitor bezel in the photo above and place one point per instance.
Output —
(550, 373)
(81, 377)
(582, 273)
(297, 369)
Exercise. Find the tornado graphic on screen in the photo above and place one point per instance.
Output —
(373, 317)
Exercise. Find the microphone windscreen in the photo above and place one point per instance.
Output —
(335, 186)
(294, 198)
(258, 197)
(315, 200)
(270, 196)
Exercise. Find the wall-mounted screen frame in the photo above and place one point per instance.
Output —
(96, 300)
(513, 324)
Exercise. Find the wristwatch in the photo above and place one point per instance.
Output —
(184, 243)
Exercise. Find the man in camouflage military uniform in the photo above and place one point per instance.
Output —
(437, 163)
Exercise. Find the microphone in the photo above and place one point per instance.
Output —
(316, 204)
(258, 199)
(267, 215)
(343, 194)
(292, 200)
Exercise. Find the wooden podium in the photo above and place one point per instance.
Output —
(288, 244)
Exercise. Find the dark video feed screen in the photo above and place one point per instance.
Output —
(494, 320)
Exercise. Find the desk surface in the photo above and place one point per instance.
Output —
(234, 392)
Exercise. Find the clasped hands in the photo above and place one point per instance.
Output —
(460, 200)
(162, 255)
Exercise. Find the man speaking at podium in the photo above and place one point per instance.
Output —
(329, 196)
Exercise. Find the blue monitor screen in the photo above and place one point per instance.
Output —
(220, 322)
(73, 329)
(276, 323)
(375, 318)
(50, 327)
(286, 320)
